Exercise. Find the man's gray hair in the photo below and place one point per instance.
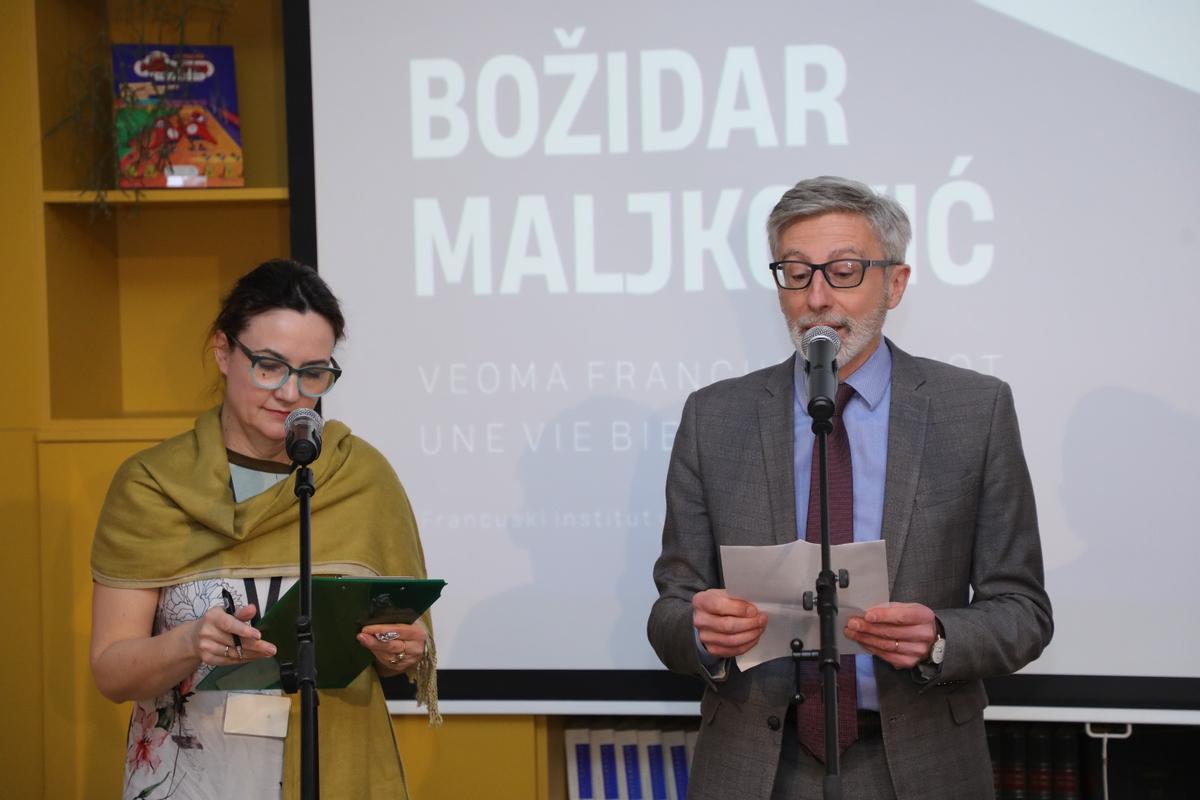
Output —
(815, 196)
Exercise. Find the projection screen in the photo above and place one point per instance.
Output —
(546, 221)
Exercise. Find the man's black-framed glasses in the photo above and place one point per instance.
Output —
(844, 273)
(269, 372)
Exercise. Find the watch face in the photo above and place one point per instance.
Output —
(939, 651)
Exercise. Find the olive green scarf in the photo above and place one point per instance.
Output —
(170, 518)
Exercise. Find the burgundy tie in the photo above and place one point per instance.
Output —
(811, 719)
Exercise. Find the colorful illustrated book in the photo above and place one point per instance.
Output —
(176, 112)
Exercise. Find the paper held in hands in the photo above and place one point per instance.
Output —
(775, 578)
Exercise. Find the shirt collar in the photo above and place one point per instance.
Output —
(870, 381)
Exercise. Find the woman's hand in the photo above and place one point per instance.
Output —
(129, 662)
(395, 647)
(212, 639)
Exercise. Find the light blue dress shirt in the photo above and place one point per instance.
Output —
(866, 421)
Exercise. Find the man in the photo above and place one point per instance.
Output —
(937, 472)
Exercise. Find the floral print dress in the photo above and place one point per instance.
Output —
(177, 746)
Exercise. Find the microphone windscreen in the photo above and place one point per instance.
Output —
(820, 331)
(306, 414)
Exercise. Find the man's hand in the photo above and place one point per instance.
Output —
(899, 633)
(727, 626)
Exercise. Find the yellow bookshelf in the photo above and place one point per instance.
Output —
(105, 312)
(132, 287)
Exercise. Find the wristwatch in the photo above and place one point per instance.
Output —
(937, 653)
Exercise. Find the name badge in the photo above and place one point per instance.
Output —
(257, 714)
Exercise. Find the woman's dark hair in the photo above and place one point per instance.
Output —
(278, 283)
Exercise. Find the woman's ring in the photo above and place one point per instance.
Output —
(388, 636)
(227, 651)
(394, 660)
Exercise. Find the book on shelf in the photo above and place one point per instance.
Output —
(176, 116)
(995, 741)
(1039, 763)
(652, 763)
(675, 745)
(1013, 763)
(629, 762)
(1067, 785)
(580, 783)
(605, 765)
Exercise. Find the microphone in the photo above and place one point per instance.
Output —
(820, 346)
(303, 440)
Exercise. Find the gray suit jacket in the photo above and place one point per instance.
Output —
(962, 538)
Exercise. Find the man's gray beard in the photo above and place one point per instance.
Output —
(859, 333)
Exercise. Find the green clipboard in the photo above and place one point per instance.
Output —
(341, 607)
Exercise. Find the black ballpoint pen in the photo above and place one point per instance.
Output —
(230, 608)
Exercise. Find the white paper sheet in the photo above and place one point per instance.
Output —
(775, 578)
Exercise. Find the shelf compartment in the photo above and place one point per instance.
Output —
(72, 33)
(131, 296)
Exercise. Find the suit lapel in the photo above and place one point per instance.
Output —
(776, 416)
(907, 421)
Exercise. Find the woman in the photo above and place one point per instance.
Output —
(211, 512)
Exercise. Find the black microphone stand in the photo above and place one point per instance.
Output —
(303, 674)
(827, 612)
